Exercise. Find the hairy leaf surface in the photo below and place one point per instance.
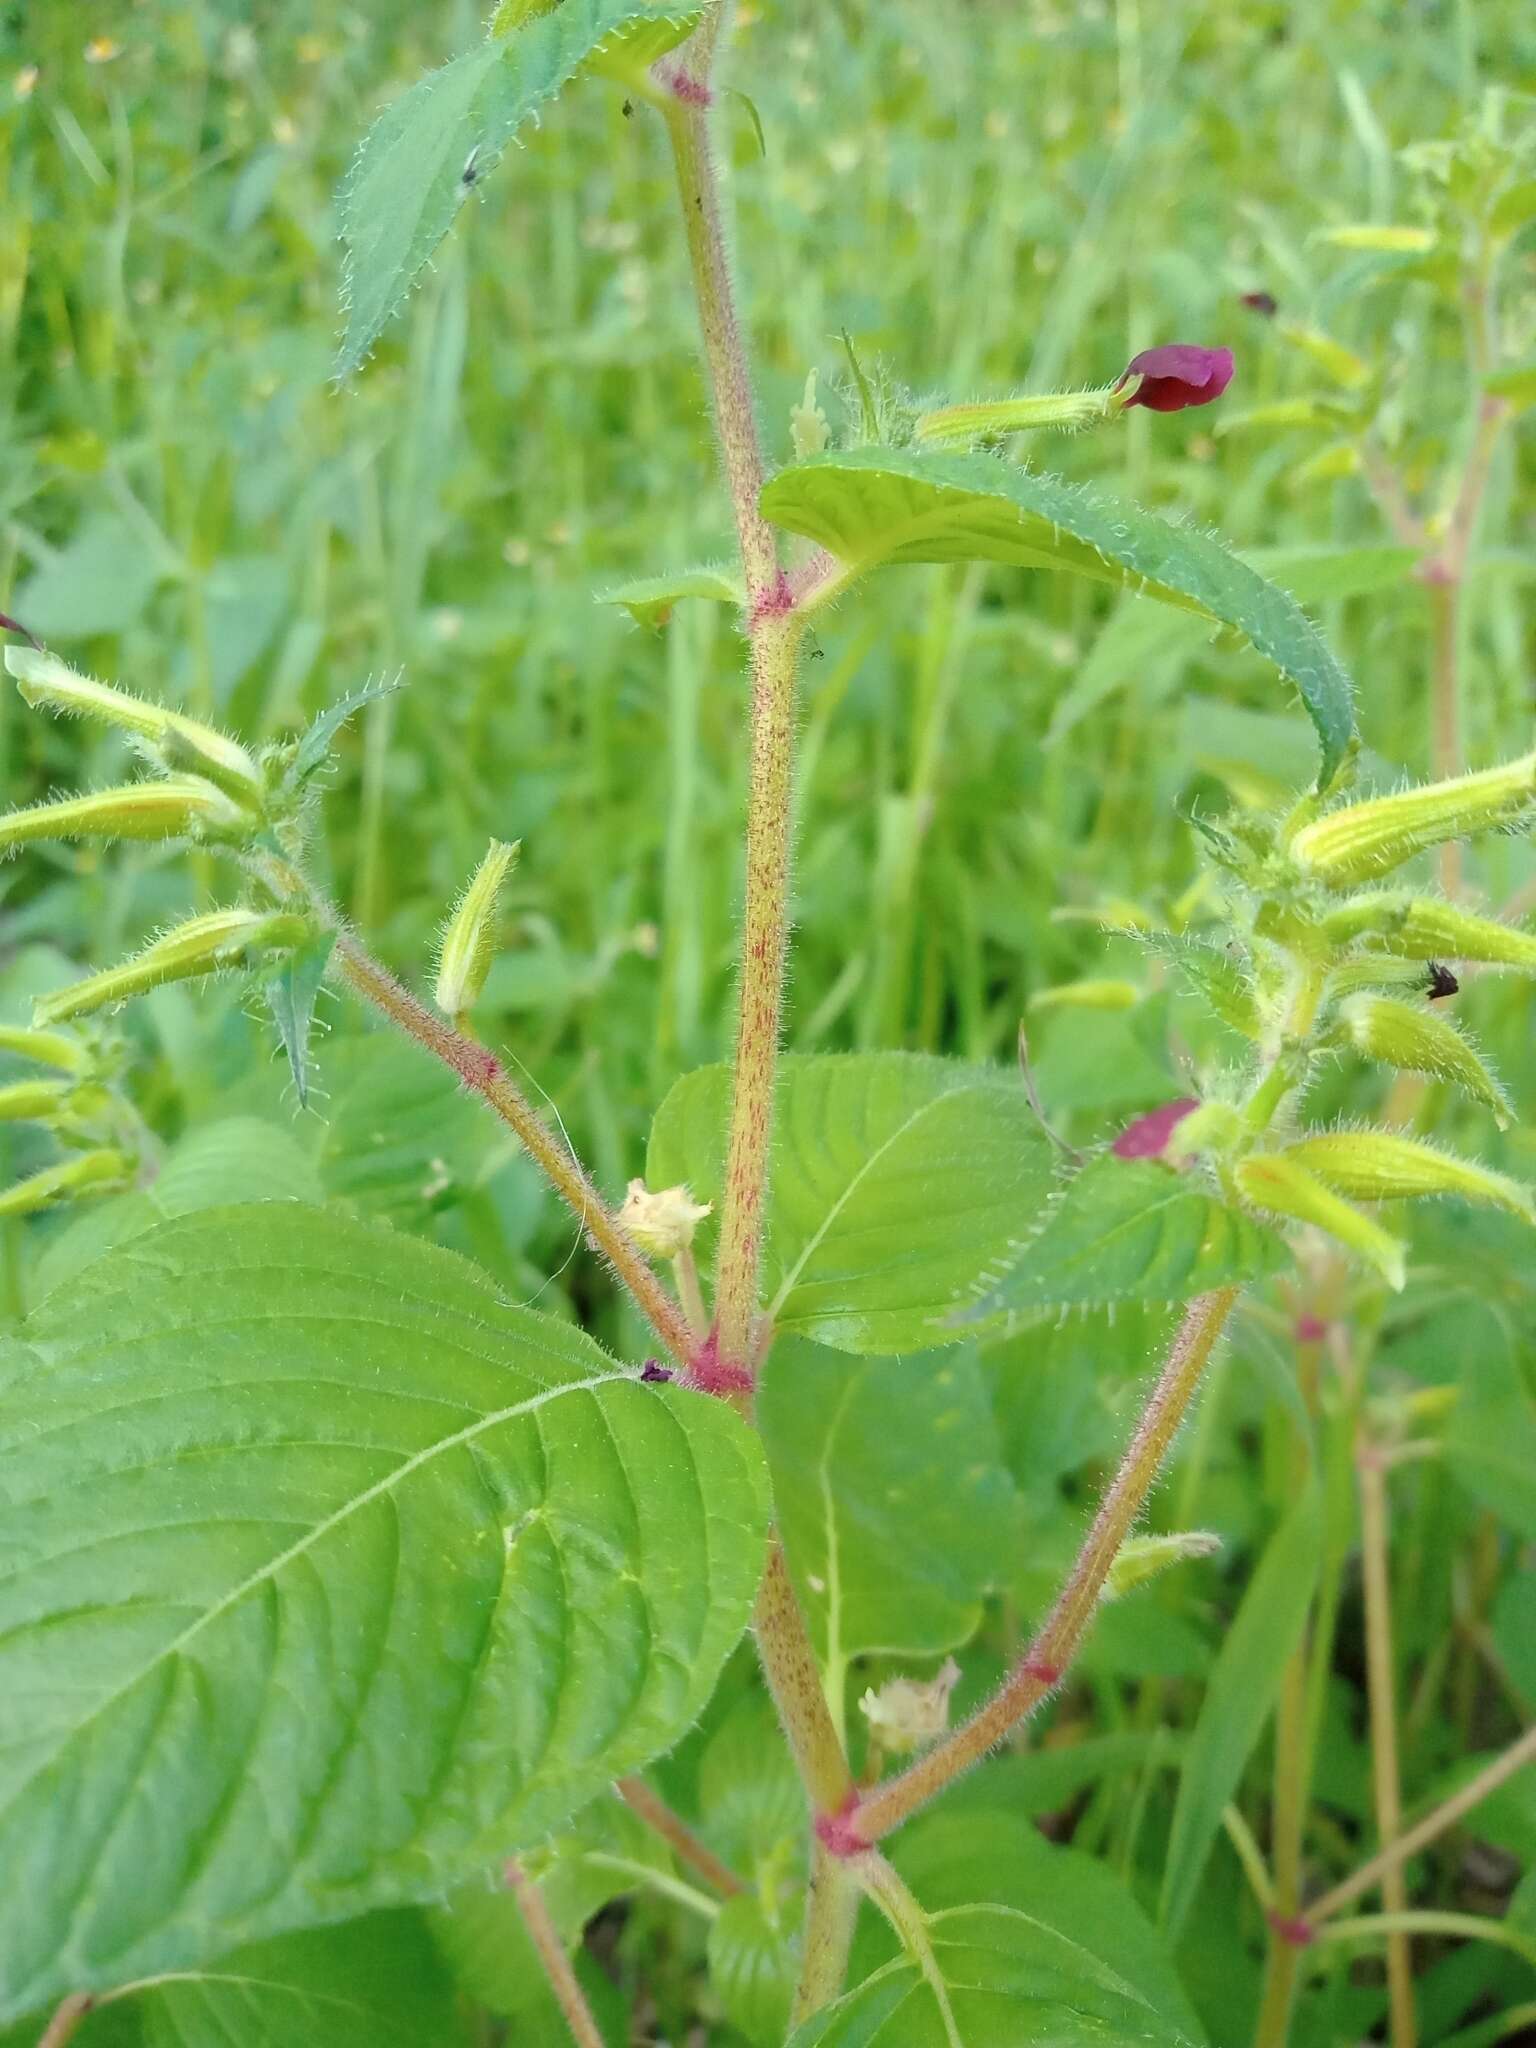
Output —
(427, 152)
(1130, 1230)
(872, 506)
(896, 1179)
(330, 1578)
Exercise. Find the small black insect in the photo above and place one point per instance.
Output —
(653, 1372)
(1441, 982)
(470, 175)
(628, 109)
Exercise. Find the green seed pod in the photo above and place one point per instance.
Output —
(959, 426)
(48, 1048)
(86, 1173)
(36, 1102)
(1415, 1041)
(1367, 839)
(1424, 928)
(1282, 1185)
(203, 945)
(469, 938)
(181, 808)
(46, 683)
(1381, 1166)
(1091, 994)
(1378, 970)
(1141, 1558)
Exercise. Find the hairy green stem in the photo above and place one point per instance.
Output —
(678, 1836)
(1048, 1656)
(551, 1953)
(794, 1679)
(831, 1908)
(1381, 1690)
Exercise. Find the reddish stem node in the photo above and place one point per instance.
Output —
(709, 1373)
(776, 602)
(1292, 1929)
(1310, 1329)
(682, 85)
(838, 1833)
(1042, 1672)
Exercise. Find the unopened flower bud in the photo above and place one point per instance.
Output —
(33, 1101)
(48, 1048)
(86, 1173)
(49, 684)
(663, 1223)
(1140, 1558)
(908, 1713)
(1366, 839)
(1282, 1185)
(1424, 928)
(1381, 1166)
(1418, 1042)
(1379, 970)
(203, 945)
(951, 426)
(469, 938)
(1149, 1136)
(175, 809)
(1095, 992)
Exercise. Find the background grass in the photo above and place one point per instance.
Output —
(987, 196)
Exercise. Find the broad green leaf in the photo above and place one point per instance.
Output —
(401, 1137)
(946, 1857)
(751, 1802)
(753, 1966)
(1129, 1230)
(1238, 1700)
(1012, 1981)
(238, 1159)
(370, 1983)
(435, 145)
(894, 1534)
(651, 600)
(1491, 1439)
(1322, 574)
(384, 1578)
(871, 506)
(896, 1179)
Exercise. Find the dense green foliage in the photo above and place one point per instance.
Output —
(518, 1573)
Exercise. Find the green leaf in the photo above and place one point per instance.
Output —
(371, 1983)
(237, 1159)
(896, 1179)
(947, 1856)
(1242, 1690)
(313, 749)
(651, 600)
(436, 144)
(871, 506)
(894, 1535)
(402, 1137)
(292, 993)
(1491, 1440)
(1013, 1981)
(384, 1578)
(1130, 1230)
(753, 1965)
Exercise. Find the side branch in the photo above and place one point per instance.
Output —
(1048, 1657)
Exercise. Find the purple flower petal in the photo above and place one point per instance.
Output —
(1148, 1137)
(1176, 375)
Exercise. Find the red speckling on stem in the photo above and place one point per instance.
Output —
(1176, 375)
(1148, 1137)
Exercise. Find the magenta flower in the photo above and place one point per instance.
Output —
(1176, 375)
(1148, 1137)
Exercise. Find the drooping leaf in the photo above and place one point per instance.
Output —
(651, 600)
(435, 145)
(871, 506)
(383, 1578)
(370, 1983)
(894, 1534)
(1012, 1980)
(1129, 1230)
(896, 1179)
(237, 1159)
(1239, 1698)
(292, 993)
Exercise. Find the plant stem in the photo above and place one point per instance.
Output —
(831, 1908)
(551, 1952)
(1433, 1825)
(1381, 1692)
(1046, 1660)
(678, 1836)
(794, 1679)
(1460, 1926)
(66, 2019)
(774, 632)
(485, 1076)
(910, 1923)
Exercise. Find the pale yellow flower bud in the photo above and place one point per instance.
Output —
(48, 1048)
(33, 1101)
(1416, 1041)
(1282, 1185)
(1379, 1166)
(469, 938)
(86, 1173)
(908, 1713)
(663, 1223)
(1424, 928)
(1362, 840)
(1140, 1558)
(179, 808)
(203, 945)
